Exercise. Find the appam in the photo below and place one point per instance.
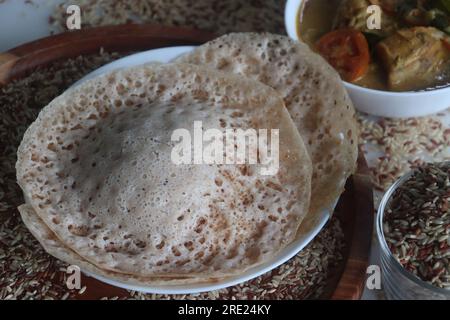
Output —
(313, 93)
(95, 167)
(53, 246)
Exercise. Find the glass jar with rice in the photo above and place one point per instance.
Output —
(413, 228)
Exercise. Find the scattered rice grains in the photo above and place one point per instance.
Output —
(403, 144)
(28, 272)
(211, 15)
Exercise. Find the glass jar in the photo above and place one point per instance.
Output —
(398, 283)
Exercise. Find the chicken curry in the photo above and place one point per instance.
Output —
(409, 51)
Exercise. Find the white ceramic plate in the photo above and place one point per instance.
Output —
(165, 55)
(24, 21)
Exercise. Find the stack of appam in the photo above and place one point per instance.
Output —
(102, 192)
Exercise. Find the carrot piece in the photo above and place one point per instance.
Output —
(347, 51)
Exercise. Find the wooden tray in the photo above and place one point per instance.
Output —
(355, 207)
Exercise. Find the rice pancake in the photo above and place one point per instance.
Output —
(96, 168)
(313, 94)
(57, 249)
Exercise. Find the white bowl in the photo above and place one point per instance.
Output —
(309, 230)
(378, 102)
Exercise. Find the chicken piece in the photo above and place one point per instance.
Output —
(413, 58)
(353, 14)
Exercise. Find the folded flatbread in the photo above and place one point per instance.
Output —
(313, 94)
(96, 168)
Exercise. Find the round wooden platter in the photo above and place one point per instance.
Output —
(355, 207)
